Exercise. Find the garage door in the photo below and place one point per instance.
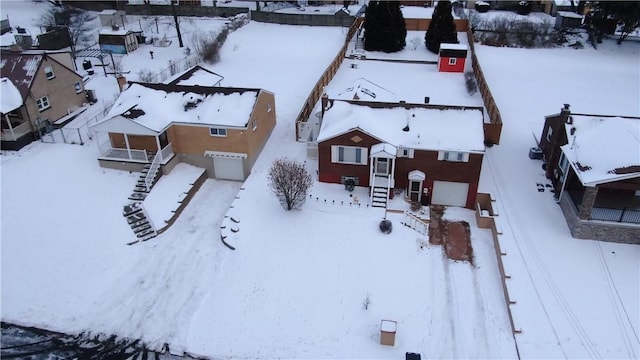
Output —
(228, 168)
(450, 193)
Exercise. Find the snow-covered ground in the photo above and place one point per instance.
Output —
(295, 286)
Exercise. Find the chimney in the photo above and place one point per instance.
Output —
(566, 114)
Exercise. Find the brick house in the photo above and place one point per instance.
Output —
(49, 87)
(430, 153)
(593, 162)
(220, 129)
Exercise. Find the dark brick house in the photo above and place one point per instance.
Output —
(593, 162)
(431, 153)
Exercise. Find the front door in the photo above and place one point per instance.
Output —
(382, 166)
(415, 190)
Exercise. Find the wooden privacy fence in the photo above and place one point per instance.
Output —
(492, 128)
(485, 219)
(326, 77)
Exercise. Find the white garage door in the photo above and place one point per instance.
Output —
(228, 168)
(450, 193)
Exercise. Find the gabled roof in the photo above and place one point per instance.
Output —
(420, 127)
(603, 149)
(11, 98)
(362, 89)
(21, 69)
(197, 75)
(157, 106)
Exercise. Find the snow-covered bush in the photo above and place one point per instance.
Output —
(470, 81)
(386, 226)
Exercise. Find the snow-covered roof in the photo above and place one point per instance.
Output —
(156, 106)
(198, 75)
(569, 14)
(111, 31)
(603, 149)
(384, 150)
(428, 128)
(362, 89)
(449, 46)
(21, 68)
(11, 98)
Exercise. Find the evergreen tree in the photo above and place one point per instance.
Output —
(371, 27)
(385, 29)
(441, 28)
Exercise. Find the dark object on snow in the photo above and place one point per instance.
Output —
(349, 185)
(386, 226)
(482, 7)
(470, 81)
(524, 7)
(535, 153)
(412, 356)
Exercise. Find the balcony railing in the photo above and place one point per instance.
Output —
(135, 155)
(18, 132)
(616, 215)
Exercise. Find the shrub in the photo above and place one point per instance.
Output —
(415, 206)
(146, 75)
(386, 226)
(470, 81)
(349, 185)
(290, 182)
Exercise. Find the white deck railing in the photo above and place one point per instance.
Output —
(18, 131)
(153, 170)
(166, 153)
(125, 154)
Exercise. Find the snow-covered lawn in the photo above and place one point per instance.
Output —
(295, 286)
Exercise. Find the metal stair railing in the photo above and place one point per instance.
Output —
(153, 171)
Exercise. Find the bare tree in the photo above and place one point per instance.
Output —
(290, 181)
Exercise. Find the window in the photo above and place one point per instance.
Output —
(349, 155)
(78, 87)
(453, 156)
(563, 166)
(218, 131)
(43, 103)
(405, 152)
(549, 133)
(254, 124)
(268, 107)
(48, 70)
(452, 61)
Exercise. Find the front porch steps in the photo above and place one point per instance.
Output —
(138, 220)
(135, 214)
(380, 196)
(140, 190)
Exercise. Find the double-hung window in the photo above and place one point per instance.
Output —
(456, 156)
(349, 155)
(452, 61)
(43, 103)
(218, 131)
(48, 70)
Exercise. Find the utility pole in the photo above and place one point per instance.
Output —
(175, 19)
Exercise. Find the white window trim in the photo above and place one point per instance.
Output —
(452, 61)
(335, 149)
(402, 150)
(40, 101)
(217, 130)
(453, 156)
(46, 72)
(254, 124)
(78, 87)
(549, 133)
(563, 165)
